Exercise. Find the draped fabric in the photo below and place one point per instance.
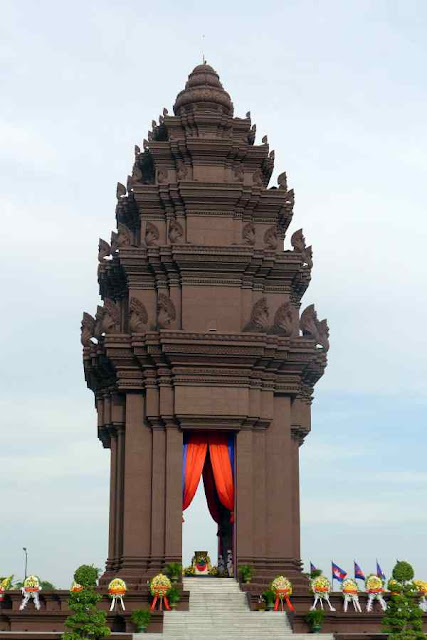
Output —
(210, 490)
(217, 466)
(222, 471)
(195, 454)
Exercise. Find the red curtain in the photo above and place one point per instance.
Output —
(222, 471)
(217, 472)
(196, 455)
(210, 491)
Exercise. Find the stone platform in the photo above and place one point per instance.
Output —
(210, 609)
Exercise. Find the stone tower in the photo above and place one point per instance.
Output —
(200, 330)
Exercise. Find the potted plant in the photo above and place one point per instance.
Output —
(246, 573)
(174, 596)
(141, 619)
(314, 619)
(269, 598)
(174, 571)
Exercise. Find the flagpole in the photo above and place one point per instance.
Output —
(332, 571)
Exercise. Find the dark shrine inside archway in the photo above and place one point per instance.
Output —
(211, 456)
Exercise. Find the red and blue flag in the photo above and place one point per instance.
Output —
(312, 567)
(358, 573)
(338, 573)
(380, 572)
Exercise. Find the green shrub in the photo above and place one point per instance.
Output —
(403, 572)
(86, 622)
(403, 617)
(174, 595)
(141, 618)
(246, 572)
(269, 596)
(174, 571)
(315, 618)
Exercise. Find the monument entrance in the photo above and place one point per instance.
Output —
(196, 357)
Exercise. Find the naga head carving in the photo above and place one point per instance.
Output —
(298, 241)
(151, 234)
(138, 316)
(259, 316)
(107, 318)
(248, 234)
(165, 311)
(323, 337)
(175, 231)
(87, 329)
(271, 239)
(284, 320)
(104, 250)
(309, 323)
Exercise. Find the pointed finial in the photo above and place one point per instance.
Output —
(265, 140)
(203, 49)
(165, 111)
(137, 150)
(248, 115)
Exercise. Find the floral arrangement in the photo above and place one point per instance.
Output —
(421, 585)
(32, 583)
(4, 586)
(213, 571)
(117, 587)
(349, 586)
(320, 585)
(189, 571)
(374, 584)
(201, 562)
(282, 588)
(160, 585)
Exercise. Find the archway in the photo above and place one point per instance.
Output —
(211, 455)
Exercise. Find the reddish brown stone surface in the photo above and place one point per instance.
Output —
(200, 330)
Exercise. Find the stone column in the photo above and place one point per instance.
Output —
(119, 499)
(113, 490)
(158, 499)
(244, 497)
(137, 488)
(259, 495)
(173, 525)
(279, 484)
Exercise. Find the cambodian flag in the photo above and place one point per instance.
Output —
(380, 572)
(358, 573)
(338, 574)
(312, 567)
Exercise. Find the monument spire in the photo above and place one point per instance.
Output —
(199, 333)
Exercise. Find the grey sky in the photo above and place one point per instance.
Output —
(339, 87)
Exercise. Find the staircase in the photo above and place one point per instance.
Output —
(219, 611)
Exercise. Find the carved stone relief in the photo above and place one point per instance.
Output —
(314, 328)
(165, 311)
(176, 232)
(138, 316)
(271, 239)
(283, 323)
(259, 316)
(87, 329)
(298, 244)
(107, 318)
(248, 234)
(151, 234)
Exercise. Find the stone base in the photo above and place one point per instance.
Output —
(54, 611)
